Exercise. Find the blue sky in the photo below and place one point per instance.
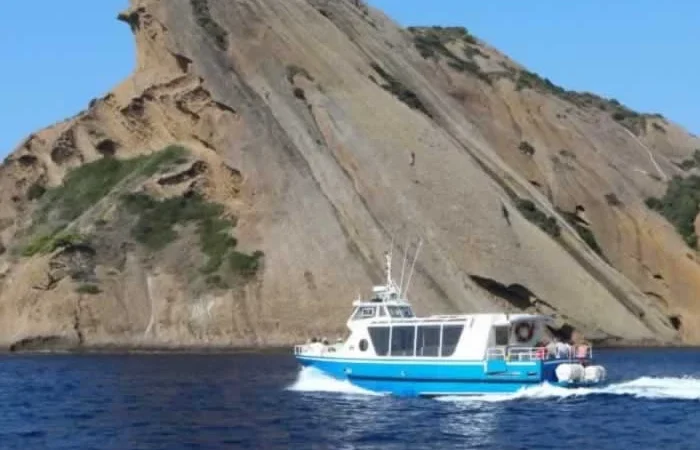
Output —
(58, 55)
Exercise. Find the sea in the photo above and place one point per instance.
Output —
(265, 401)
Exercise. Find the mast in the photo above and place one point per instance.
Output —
(387, 256)
(413, 265)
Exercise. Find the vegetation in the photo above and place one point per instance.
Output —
(86, 185)
(155, 223)
(633, 121)
(202, 14)
(547, 223)
(35, 191)
(680, 205)
(91, 289)
(50, 242)
(584, 231)
(294, 70)
(400, 91)
(157, 220)
(245, 264)
(299, 93)
(612, 199)
(82, 188)
(432, 43)
(526, 148)
(691, 162)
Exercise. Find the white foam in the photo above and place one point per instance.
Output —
(313, 380)
(685, 388)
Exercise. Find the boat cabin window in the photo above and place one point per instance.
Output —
(380, 340)
(420, 340)
(402, 338)
(400, 311)
(450, 338)
(364, 312)
(382, 312)
(501, 333)
(428, 340)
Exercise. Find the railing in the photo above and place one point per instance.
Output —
(316, 349)
(575, 352)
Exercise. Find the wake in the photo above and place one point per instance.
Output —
(673, 388)
(313, 380)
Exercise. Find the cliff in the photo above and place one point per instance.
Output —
(241, 186)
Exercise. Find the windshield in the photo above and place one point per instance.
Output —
(400, 311)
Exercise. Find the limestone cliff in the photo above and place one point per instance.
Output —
(319, 130)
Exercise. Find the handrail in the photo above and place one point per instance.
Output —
(576, 352)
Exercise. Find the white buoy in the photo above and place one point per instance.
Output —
(569, 373)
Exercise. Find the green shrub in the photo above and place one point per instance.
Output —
(431, 43)
(548, 224)
(299, 93)
(612, 199)
(157, 219)
(217, 281)
(200, 9)
(246, 265)
(91, 289)
(526, 148)
(294, 70)
(400, 91)
(680, 206)
(692, 162)
(35, 191)
(86, 185)
(583, 231)
(50, 242)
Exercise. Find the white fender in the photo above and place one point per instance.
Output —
(569, 372)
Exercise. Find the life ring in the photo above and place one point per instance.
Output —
(524, 331)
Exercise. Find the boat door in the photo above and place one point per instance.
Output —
(496, 356)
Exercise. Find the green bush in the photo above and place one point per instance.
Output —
(91, 289)
(50, 242)
(583, 231)
(548, 224)
(86, 185)
(692, 162)
(400, 91)
(294, 70)
(612, 199)
(526, 148)
(680, 206)
(431, 43)
(35, 191)
(246, 265)
(200, 9)
(157, 219)
(299, 93)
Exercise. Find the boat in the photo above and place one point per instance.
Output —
(391, 351)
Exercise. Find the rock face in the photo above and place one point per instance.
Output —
(324, 131)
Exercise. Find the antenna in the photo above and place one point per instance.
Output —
(413, 265)
(390, 259)
(403, 265)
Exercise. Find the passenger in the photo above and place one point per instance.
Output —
(551, 348)
(582, 351)
(563, 350)
(541, 351)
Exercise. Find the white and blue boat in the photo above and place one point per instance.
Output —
(390, 350)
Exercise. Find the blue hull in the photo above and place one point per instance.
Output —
(411, 377)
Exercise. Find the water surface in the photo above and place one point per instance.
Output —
(265, 401)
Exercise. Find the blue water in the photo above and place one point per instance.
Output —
(266, 402)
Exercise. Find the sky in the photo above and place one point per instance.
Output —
(57, 56)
